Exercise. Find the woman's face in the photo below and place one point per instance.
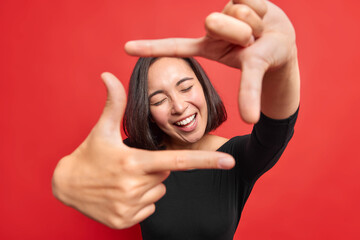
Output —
(177, 101)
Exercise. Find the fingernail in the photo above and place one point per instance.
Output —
(226, 163)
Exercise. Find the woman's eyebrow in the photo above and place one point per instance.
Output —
(183, 80)
(156, 92)
(177, 84)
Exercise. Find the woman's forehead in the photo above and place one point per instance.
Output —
(168, 70)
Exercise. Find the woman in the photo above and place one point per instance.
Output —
(118, 185)
(172, 105)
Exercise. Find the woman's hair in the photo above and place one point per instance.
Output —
(137, 123)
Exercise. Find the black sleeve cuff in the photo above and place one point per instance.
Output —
(272, 132)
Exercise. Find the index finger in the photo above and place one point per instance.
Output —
(185, 160)
(168, 47)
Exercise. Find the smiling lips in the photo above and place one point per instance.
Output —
(187, 121)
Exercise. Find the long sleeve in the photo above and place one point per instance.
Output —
(265, 145)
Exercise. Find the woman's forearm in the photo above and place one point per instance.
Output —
(281, 90)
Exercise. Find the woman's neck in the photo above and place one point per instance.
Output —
(208, 142)
(179, 145)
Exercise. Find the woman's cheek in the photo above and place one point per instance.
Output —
(198, 97)
(159, 115)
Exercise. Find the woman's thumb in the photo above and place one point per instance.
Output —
(113, 112)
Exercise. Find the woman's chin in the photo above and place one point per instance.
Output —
(195, 138)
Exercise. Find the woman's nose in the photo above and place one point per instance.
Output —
(178, 106)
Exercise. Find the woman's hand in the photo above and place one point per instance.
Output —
(254, 36)
(117, 185)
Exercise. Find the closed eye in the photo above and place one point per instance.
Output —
(187, 89)
(158, 103)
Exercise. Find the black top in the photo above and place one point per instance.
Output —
(207, 204)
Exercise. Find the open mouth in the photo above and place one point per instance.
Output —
(187, 121)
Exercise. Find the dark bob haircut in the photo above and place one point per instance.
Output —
(144, 133)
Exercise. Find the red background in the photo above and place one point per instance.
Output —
(51, 57)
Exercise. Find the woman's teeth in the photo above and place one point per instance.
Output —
(185, 121)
